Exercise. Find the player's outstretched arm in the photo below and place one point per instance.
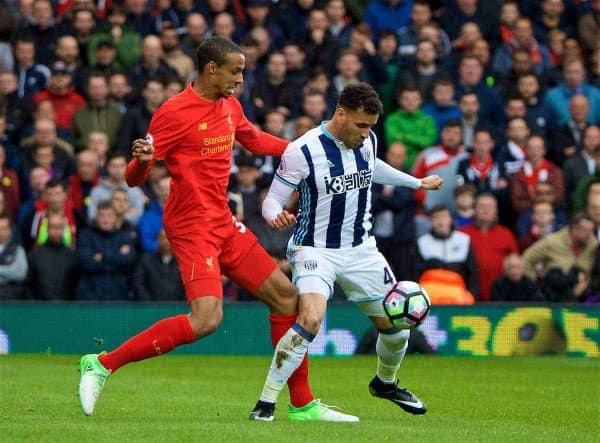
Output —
(272, 207)
(138, 168)
(432, 182)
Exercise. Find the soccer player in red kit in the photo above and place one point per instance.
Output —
(194, 133)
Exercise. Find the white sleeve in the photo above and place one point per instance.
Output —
(278, 195)
(387, 175)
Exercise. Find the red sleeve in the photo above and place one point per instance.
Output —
(257, 141)
(419, 169)
(164, 131)
(136, 173)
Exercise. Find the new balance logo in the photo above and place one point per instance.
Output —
(202, 126)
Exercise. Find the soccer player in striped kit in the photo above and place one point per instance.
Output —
(332, 167)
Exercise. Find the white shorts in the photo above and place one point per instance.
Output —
(362, 272)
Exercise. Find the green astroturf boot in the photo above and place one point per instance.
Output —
(317, 411)
(93, 377)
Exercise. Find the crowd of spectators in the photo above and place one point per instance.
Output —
(500, 98)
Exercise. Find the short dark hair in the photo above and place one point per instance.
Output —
(465, 188)
(438, 208)
(215, 49)
(577, 218)
(452, 124)
(360, 95)
(54, 182)
(105, 204)
(4, 215)
(115, 154)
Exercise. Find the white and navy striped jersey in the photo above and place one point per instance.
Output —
(334, 183)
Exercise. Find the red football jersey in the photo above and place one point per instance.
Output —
(195, 136)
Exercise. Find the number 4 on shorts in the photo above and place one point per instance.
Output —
(387, 276)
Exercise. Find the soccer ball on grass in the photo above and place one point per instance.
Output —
(407, 304)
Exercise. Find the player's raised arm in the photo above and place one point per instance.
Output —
(387, 175)
(257, 141)
(140, 165)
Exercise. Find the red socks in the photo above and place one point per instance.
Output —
(300, 393)
(159, 338)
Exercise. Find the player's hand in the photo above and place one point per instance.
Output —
(432, 183)
(142, 150)
(283, 220)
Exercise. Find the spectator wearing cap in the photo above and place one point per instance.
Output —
(558, 98)
(32, 77)
(127, 42)
(257, 13)
(61, 93)
(43, 31)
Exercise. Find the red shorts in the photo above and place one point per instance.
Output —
(228, 247)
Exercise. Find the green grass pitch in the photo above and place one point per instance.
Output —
(207, 399)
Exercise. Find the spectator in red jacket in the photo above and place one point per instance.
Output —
(61, 93)
(491, 242)
(535, 169)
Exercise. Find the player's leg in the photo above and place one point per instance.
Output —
(204, 292)
(370, 281)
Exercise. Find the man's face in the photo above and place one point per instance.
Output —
(60, 82)
(276, 66)
(84, 22)
(45, 132)
(544, 192)
(443, 94)
(528, 86)
(452, 136)
(579, 108)
(24, 53)
(42, 13)
(521, 62)
(482, 144)
(38, 178)
(229, 76)
(348, 65)
(302, 124)
(67, 49)
(574, 74)
(116, 169)
(87, 162)
(582, 232)
(294, 57)
(336, 10)
(523, 32)
(425, 52)
(274, 123)
(169, 40)
(535, 149)
(56, 197)
(8, 83)
(97, 89)
(196, 27)
(154, 93)
(470, 72)
(315, 106)
(542, 214)
(44, 157)
(441, 222)
(514, 269)
(486, 210)
(355, 126)
(120, 203)
(119, 86)
(420, 14)
(56, 229)
(223, 25)
(591, 140)
(517, 131)
(105, 55)
(106, 219)
(469, 105)
(152, 49)
(396, 155)
(515, 108)
(410, 101)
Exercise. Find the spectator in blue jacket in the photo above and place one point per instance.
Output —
(106, 256)
(33, 77)
(151, 222)
(388, 14)
(443, 108)
(558, 98)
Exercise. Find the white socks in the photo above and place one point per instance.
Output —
(289, 353)
(390, 352)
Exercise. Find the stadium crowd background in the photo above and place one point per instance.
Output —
(501, 99)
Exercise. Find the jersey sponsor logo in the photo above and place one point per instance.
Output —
(220, 143)
(310, 265)
(347, 182)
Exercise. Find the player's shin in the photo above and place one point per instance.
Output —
(289, 354)
(391, 347)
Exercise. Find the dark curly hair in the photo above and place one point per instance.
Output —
(360, 96)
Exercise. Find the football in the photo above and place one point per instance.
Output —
(407, 304)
